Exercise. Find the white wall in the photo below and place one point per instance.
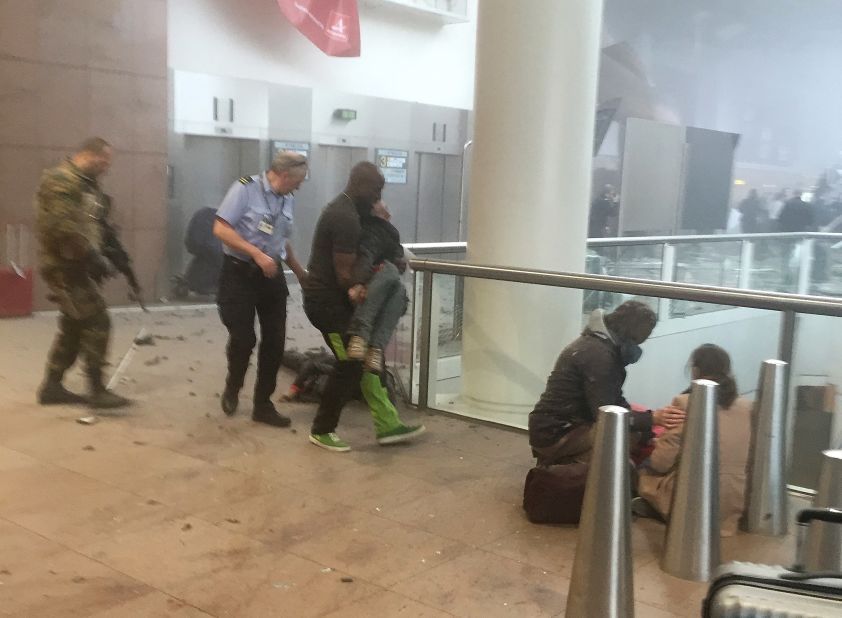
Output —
(405, 58)
(750, 336)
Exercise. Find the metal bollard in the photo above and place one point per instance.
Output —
(601, 583)
(823, 547)
(692, 538)
(766, 497)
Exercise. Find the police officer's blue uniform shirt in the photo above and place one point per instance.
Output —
(259, 215)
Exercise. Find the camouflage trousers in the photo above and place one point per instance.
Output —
(84, 325)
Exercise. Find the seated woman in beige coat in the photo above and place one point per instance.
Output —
(657, 475)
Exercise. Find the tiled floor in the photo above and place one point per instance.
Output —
(172, 509)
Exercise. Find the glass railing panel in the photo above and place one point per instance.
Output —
(815, 419)
(749, 335)
(705, 263)
(401, 359)
(637, 261)
(826, 268)
(775, 265)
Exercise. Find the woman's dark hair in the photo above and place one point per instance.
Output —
(713, 363)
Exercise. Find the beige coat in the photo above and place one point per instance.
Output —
(657, 480)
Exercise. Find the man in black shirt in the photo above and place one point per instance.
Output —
(796, 215)
(329, 291)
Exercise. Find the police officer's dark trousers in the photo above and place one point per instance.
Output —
(243, 292)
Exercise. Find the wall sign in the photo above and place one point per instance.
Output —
(392, 164)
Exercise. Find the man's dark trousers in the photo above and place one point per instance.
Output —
(243, 292)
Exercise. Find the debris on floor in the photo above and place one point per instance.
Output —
(145, 340)
(87, 420)
(347, 580)
(88, 448)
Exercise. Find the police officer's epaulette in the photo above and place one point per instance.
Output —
(244, 180)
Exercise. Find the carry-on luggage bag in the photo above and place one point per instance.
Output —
(745, 590)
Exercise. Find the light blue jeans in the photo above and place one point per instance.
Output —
(385, 302)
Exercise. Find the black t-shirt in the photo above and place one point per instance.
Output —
(337, 231)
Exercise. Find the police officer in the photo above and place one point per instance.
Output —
(254, 224)
(70, 208)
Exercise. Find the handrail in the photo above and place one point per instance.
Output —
(775, 301)
(679, 240)
(432, 248)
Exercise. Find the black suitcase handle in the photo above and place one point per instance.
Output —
(833, 516)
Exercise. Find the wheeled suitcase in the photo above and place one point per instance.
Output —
(744, 590)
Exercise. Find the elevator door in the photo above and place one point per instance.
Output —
(203, 169)
(437, 213)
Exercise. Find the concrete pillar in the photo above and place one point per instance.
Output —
(535, 100)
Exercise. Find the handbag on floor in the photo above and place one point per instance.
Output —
(554, 495)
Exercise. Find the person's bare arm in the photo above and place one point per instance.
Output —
(295, 265)
(229, 236)
(343, 265)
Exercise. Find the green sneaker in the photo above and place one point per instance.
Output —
(401, 433)
(329, 441)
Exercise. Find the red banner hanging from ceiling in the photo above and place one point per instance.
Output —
(332, 25)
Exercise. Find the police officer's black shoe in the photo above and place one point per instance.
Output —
(54, 393)
(230, 401)
(265, 412)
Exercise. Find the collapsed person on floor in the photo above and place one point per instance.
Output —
(589, 374)
(656, 482)
(377, 271)
(312, 371)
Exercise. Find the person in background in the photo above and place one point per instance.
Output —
(603, 210)
(254, 223)
(589, 374)
(776, 205)
(656, 478)
(751, 208)
(796, 215)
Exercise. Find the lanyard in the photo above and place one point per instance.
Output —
(266, 201)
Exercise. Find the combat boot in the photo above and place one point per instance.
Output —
(103, 398)
(52, 392)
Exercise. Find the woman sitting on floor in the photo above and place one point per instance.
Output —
(657, 475)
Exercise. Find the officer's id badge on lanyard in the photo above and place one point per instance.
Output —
(267, 225)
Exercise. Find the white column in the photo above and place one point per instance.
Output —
(535, 101)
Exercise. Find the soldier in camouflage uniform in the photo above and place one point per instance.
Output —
(69, 207)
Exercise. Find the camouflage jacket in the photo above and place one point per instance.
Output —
(69, 209)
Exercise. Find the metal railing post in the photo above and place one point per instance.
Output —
(746, 264)
(693, 542)
(601, 583)
(426, 324)
(668, 267)
(766, 504)
(805, 264)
